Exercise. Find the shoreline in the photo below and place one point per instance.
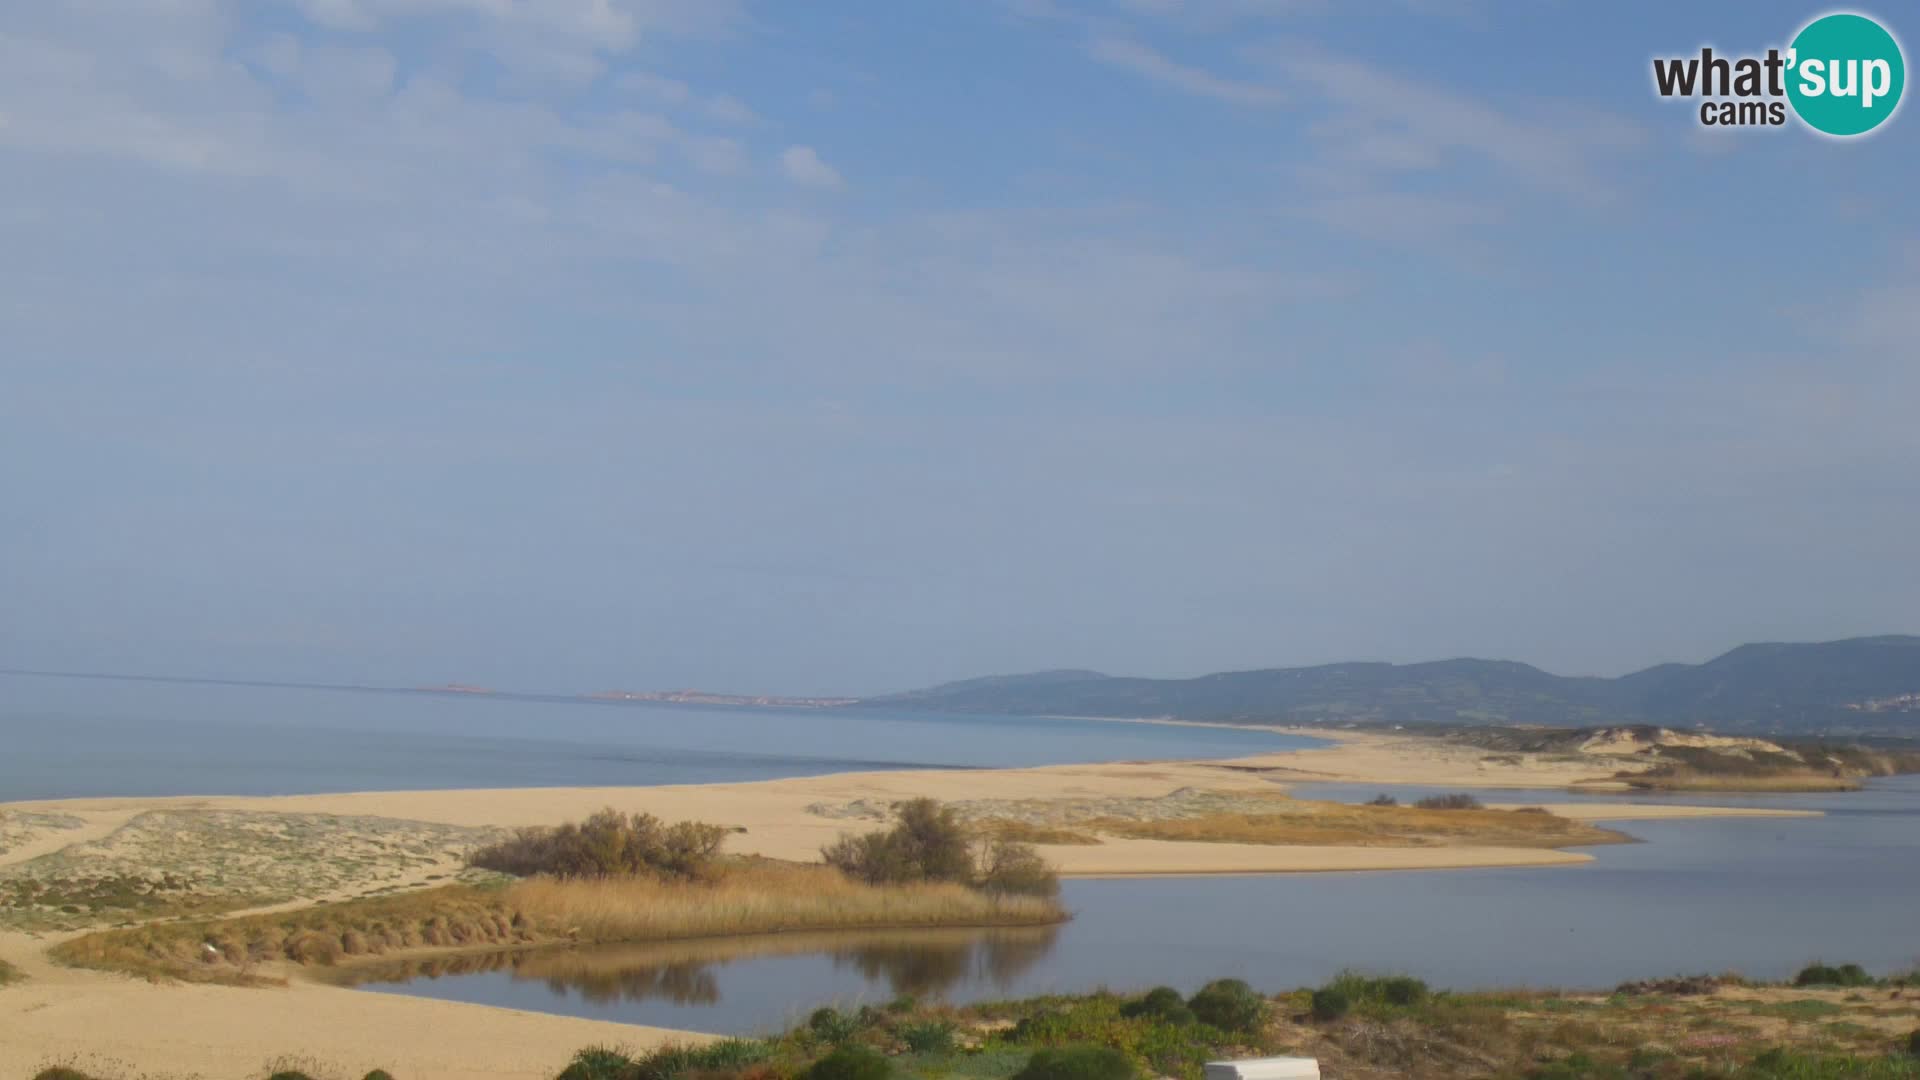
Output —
(58, 1013)
(780, 818)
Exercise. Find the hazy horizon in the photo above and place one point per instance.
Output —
(217, 679)
(783, 349)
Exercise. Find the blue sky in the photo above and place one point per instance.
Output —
(843, 347)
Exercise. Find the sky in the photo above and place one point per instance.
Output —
(854, 346)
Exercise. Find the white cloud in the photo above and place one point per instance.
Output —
(1141, 60)
(803, 166)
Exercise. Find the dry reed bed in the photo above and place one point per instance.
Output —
(1273, 818)
(742, 900)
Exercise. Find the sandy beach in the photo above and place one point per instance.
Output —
(58, 1014)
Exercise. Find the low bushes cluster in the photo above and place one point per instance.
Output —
(1078, 1063)
(1830, 975)
(1372, 993)
(1230, 1005)
(933, 1036)
(833, 1027)
(928, 842)
(726, 1057)
(607, 844)
(1162, 1003)
(852, 1062)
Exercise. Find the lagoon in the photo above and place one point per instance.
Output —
(1760, 895)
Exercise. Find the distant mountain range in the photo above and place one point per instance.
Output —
(1861, 686)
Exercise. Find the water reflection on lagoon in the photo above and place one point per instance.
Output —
(785, 968)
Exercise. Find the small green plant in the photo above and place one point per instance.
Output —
(833, 1027)
(1077, 1063)
(1229, 1004)
(928, 1036)
(1331, 1003)
(1162, 1003)
(850, 1063)
(597, 1063)
(378, 1074)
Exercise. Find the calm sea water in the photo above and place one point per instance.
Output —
(72, 737)
(1763, 896)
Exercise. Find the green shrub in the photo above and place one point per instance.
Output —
(597, 1063)
(1229, 1004)
(1077, 1063)
(928, 1036)
(727, 1055)
(60, 1072)
(928, 843)
(378, 1074)
(1162, 1003)
(1009, 868)
(1331, 1003)
(850, 1063)
(607, 844)
(1449, 802)
(1913, 1044)
(832, 1026)
(1398, 991)
(289, 1074)
(1402, 990)
(1827, 975)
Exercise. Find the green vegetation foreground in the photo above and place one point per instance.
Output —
(1832, 1023)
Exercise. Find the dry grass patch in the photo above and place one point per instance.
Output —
(1367, 826)
(1197, 815)
(1688, 780)
(1026, 832)
(758, 899)
(743, 899)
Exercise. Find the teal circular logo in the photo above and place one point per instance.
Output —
(1845, 74)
